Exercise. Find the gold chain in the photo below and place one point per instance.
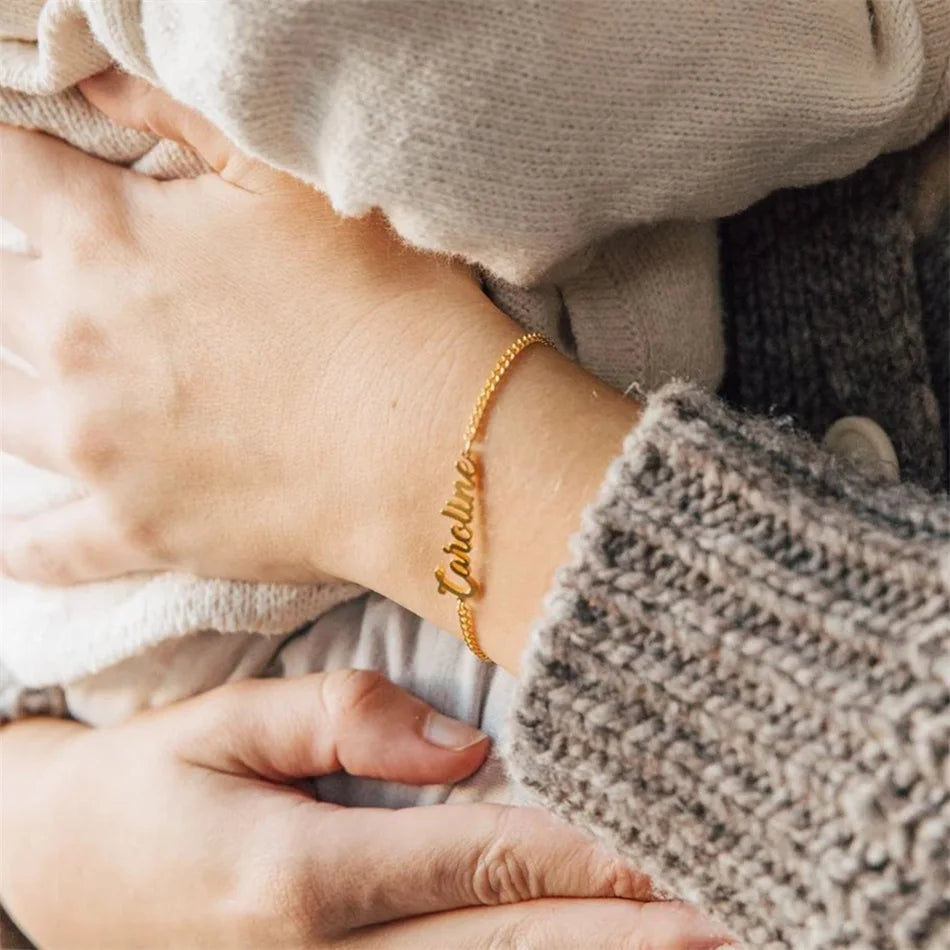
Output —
(460, 508)
(488, 390)
(467, 625)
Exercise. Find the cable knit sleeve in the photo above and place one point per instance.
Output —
(742, 682)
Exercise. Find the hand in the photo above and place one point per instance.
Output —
(216, 358)
(183, 828)
(224, 358)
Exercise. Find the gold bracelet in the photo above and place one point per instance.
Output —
(460, 508)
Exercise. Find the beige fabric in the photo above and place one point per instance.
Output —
(578, 152)
(565, 121)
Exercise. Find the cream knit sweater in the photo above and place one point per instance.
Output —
(577, 151)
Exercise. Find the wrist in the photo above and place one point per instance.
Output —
(397, 539)
(547, 446)
(547, 439)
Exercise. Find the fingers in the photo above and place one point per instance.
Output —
(352, 720)
(395, 863)
(136, 103)
(36, 172)
(431, 859)
(24, 417)
(18, 318)
(551, 925)
(71, 544)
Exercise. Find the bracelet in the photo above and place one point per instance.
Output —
(460, 508)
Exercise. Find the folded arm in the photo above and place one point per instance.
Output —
(741, 678)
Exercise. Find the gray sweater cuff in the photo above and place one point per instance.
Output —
(742, 682)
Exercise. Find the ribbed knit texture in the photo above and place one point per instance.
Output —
(743, 681)
(933, 282)
(568, 121)
(825, 313)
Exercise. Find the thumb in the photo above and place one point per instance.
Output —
(354, 720)
(133, 102)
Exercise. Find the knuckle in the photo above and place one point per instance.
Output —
(36, 561)
(499, 872)
(92, 239)
(285, 903)
(101, 201)
(89, 446)
(272, 904)
(145, 535)
(348, 694)
(85, 245)
(104, 238)
(88, 557)
(616, 878)
(77, 345)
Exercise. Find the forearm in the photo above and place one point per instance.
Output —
(548, 438)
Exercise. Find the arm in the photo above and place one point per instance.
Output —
(741, 678)
(745, 526)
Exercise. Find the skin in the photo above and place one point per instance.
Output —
(338, 448)
(191, 816)
(319, 383)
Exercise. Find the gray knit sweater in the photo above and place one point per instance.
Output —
(743, 682)
(743, 677)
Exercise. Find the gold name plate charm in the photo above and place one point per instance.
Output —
(460, 509)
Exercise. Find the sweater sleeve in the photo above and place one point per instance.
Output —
(514, 134)
(742, 682)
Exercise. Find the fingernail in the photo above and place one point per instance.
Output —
(714, 943)
(700, 933)
(713, 938)
(450, 733)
